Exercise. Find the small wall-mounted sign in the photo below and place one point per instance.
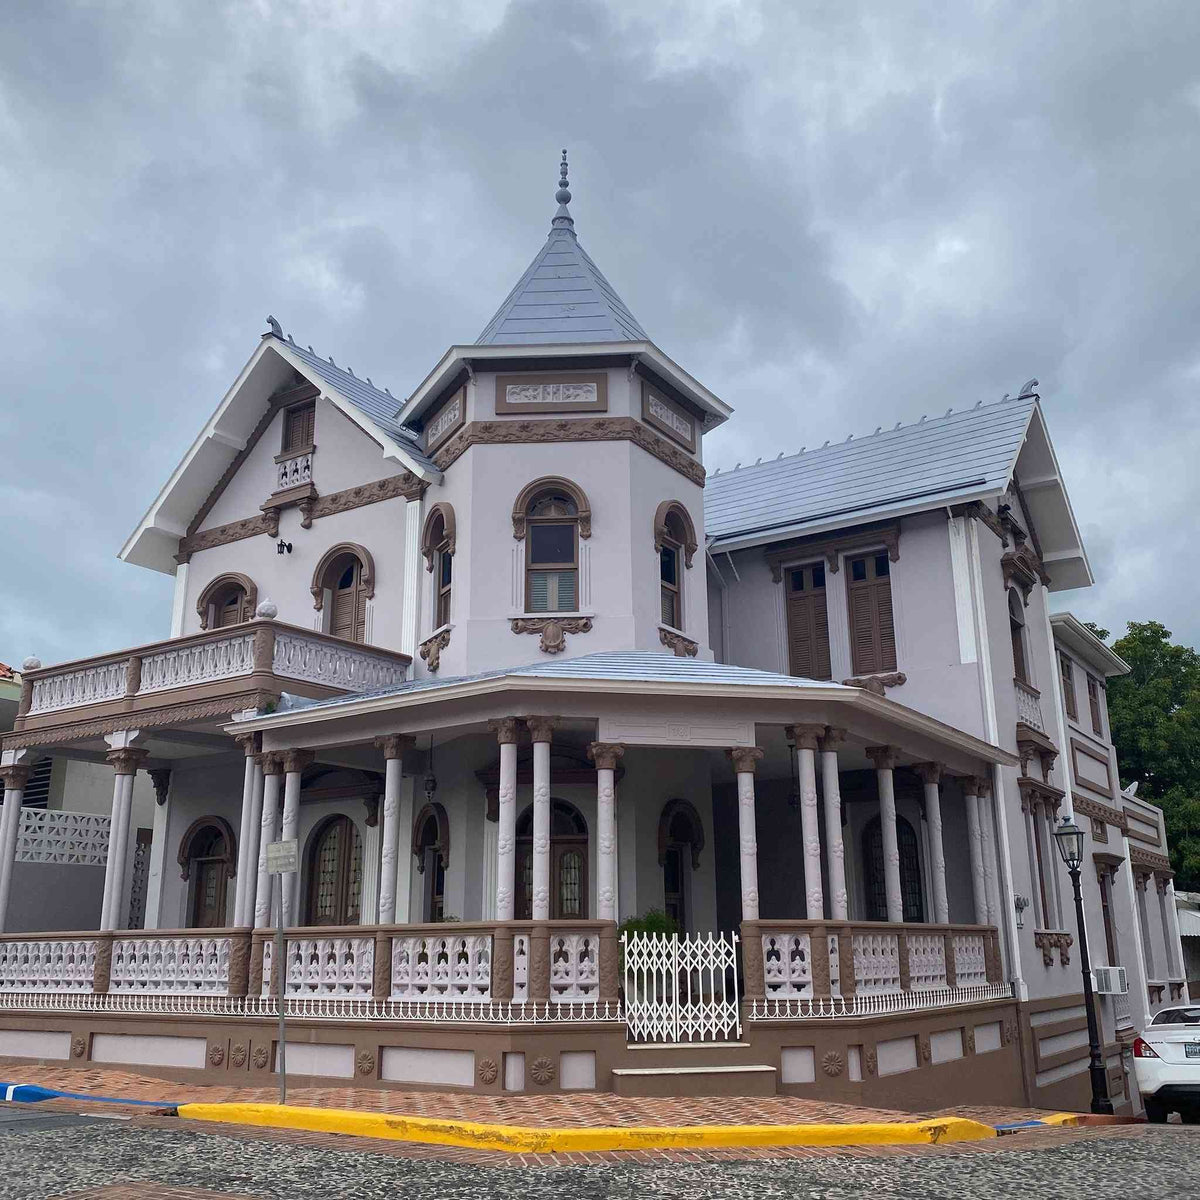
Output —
(283, 857)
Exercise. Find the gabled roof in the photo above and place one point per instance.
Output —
(1077, 637)
(563, 296)
(231, 429)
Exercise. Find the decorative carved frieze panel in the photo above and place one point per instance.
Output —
(552, 630)
(551, 393)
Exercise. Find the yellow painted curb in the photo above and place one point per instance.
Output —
(525, 1139)
(1062, 1119)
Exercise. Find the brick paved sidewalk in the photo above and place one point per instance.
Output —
(578, 1109)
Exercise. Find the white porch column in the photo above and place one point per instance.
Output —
(835, 849)
(393, 747)
(125, 762)
(971, 787)
(745, 760)
(272, 766)
(15, 776)
(806, 738)
(505, 729)
(931, 777)
(251, 744)
(884, 758)
(987, 844)
(540, 729)
(411, 610)
(294, 762)
(606, 756)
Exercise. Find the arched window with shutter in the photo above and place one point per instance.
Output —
(342, 584)
(228, 600)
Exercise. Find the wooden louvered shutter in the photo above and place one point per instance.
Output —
(872, 630)
(808, 623)
(348, 615)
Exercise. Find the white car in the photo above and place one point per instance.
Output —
(1166, 1062)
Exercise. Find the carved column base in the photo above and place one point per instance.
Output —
(502, 963)
(539, 963)
(610, 964)
(752, 961)
(239, 962)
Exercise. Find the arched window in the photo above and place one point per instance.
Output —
(437, 545)
(1016, 629)
(675, 542)
(680, 840)
(207, 860)
(552, 515)
(910, 871)
(335, 867)
(568, 863)
(228, 600)
(342, 584)
(431, 847)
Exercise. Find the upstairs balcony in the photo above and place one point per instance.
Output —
(1029, 705)
(212, 673)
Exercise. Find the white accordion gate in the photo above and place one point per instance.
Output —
(681, 987)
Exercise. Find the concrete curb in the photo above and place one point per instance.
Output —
(524, 1139)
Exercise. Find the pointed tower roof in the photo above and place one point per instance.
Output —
(562, 297)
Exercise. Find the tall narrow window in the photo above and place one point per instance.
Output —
(1016, 629)
(439, 547)
(552, 553)
(1093, 686)
(348, 598)
(808, 622)
(1067, 673)
(910, 871)
(433, 868)
(335, 873)
(299, 425)
(670, 575)
(872, 631)
(1143, 882)
(1105, 880)
(568, 863)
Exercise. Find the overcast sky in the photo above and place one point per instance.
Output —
(835, 215)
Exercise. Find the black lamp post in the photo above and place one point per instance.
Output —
(1070, 846)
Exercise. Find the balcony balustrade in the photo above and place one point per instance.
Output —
(1029, 705)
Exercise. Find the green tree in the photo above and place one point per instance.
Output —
(1155, 716)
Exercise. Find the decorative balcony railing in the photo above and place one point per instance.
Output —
(55, 836)
(294, 470)
(340, 964)
(157, 964)
(1029, 705)
(257, 654)
(62, 963)
(442, 966)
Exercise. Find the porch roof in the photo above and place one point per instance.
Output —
(628, 672)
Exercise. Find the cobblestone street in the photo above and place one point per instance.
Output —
(120, 1159)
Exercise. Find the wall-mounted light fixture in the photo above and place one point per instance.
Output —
(282, 547)
(1020, 903)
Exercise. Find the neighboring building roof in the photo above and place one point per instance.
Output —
(945, 459)
(1189, 921)
(1077, 637)
(563, 296)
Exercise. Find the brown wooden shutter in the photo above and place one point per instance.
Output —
(299, 427)
(872, 630)
(808, 623)
(348, 606)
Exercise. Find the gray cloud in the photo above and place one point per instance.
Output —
(836, 216)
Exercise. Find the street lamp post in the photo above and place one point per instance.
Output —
(1069, 837)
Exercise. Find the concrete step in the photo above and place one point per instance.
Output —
(748, 1080)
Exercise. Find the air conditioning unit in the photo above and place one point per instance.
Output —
(1109, 981)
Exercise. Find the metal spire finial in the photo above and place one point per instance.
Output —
(562, 218)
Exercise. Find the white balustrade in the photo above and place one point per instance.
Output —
(314, 660)
(835, 965)
(332, 966)
(441, 967)
(520, 966)
(926, 961)
(970, 960)
(876, 962)
(198, 662)
(170, 966)
(84, 685)
(787, 963)
(48, 836)
(293, 471)
(1029, 705)
(574, 966)
(43, 965)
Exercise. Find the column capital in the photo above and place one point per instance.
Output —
(977, 785)
(161, 778)
(541, 728)
(806, 737)
(272, 762)
(127, 761)
(251, 743)
(394, 745)
(929, 772)
(605, 755)
(884, 757)
(744, 758)
(832, 738)
(15, 775)
(296, 760)
(505, 729)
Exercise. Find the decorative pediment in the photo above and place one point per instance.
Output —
(832, 546)
(1023, 568)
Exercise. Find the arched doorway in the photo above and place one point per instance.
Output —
(568, 863)
(335, 862)
(208, 859)
(680, 840)
(431, 848)
(910, 871)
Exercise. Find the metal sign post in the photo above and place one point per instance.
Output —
(282, 858)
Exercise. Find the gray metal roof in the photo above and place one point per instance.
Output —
(937, 460)
(646, 666)
(562, 297)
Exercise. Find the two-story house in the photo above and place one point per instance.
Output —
(512, 669)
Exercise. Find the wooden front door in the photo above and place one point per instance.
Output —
(335, 874)
(208, 903)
